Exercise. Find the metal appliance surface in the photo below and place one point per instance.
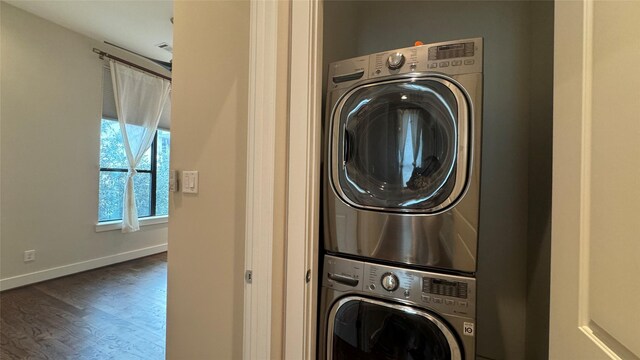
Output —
(372, 311)
(402, 156)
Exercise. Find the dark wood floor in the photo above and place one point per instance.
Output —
(116, 312)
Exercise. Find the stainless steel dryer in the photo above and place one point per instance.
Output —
(370, 311)
(402, 155)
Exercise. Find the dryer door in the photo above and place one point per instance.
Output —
(401, 145)
(366, 329)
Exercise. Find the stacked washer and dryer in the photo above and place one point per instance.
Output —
(401, 203)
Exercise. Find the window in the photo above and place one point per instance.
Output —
(151, 183)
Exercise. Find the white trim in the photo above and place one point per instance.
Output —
(585, 174)
(48, 274)
(117, 224)
(260, 179)
(303, 177)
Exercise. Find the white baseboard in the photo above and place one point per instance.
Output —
(48, 274)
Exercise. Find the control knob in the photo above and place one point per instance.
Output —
(395, 61)
(389, 282)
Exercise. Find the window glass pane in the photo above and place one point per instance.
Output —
(162, 173)
(142, 188)
(111, 194)
(112, 153)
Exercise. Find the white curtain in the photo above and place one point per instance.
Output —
(140, 98)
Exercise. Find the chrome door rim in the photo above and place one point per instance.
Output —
(464, 159)
(454, 347)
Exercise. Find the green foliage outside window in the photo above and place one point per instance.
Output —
(113, 175)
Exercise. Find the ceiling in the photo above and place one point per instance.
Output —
(135, 25)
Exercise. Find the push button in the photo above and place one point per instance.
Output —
(433, 65)
(437, 300)
(469, 62)
(456, 63)
(462, 303)
(444, 64)
(448, 302)
(426, 298)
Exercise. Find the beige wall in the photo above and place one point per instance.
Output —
(206, 231)
(513, 116)
(50, 108)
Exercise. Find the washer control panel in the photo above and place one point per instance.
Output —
(449, 294)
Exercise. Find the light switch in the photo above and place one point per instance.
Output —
(190, 182)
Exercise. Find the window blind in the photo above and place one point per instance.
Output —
(109, 102)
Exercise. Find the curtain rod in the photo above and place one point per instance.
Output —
(104, 54)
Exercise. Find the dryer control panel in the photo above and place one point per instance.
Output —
(448, 57)
(447, 294)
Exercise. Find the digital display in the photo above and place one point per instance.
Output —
(450, 47)
(444, 282)
(444, 287)
(451, 51)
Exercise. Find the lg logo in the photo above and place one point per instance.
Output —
(469, 329)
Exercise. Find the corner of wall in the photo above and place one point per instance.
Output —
(540, 160)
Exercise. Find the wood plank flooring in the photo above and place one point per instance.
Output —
(115, 312)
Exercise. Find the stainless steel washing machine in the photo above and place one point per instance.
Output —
(402, 156)
(371, 311)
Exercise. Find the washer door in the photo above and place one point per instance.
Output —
(401, 145)
(361, 328)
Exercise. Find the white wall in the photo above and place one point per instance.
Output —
(50, 109)
(209, 130)
(359, 28)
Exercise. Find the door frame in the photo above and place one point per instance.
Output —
(303, 179)
(261, 178)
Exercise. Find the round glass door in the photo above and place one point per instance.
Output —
(401, 145)
(365, 329)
